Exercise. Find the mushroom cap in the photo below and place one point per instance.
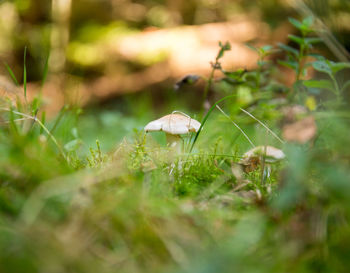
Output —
(175, 124)
(270, 153)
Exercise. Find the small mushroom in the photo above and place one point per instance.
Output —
(252, 158)
(174, 125)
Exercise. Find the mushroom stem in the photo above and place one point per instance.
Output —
(174, 141)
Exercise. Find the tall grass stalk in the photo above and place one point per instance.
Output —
(207, 116)
(236, 125)
(262, 124)
(25, 73)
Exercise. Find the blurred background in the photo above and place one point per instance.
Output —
(118, 60)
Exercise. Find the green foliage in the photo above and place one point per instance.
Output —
(144, 207)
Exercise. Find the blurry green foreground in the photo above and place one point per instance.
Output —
(89, 191)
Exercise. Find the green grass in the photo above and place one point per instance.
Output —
(128, 203)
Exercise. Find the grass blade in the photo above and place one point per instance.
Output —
(58, 119)
(236, 125)
(43, 120)
(9, 70)
(262, 124)
(46, 70)
(25, 73)
(207, 116)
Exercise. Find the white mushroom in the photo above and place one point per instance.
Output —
(252, 158)
(173, 125)
(271, 154)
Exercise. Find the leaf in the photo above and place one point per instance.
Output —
(9, 70)
(252, 47)
(46, 70)
(227, 46)
(308, 21)
(223, 48)
(25, 72)
(43, 120)
(304, 26)
(289, 49)
(35, 104)
(295, 23)
(322, 66)
(312, 40)
(232, 81)
(335, 67)
(234, 74)
(297, 39)
(324, 84)
(13, 124)
(266, 48)
(290, 64)
(316, 56)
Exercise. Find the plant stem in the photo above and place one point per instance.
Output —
(337, 89)
(209, 82)
(206, 90)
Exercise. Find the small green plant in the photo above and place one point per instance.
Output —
(331, 85)
(297, 58)
(97, 159)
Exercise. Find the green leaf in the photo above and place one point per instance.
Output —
(43, 120)
(35, 104)
(25, 72)
(307, 22)
(323, 84)
(13, 124)
(295, 23)
(312, 40)
(290, 64)
(316, 56)
(46, 70)
(252, 47)
(9, 70)
(266, 48)
(297, 39)
(289, 49)
(232, 82)
(322, 66)
(234, 74)
(304, 26)
(223, 48)
(335, 67)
